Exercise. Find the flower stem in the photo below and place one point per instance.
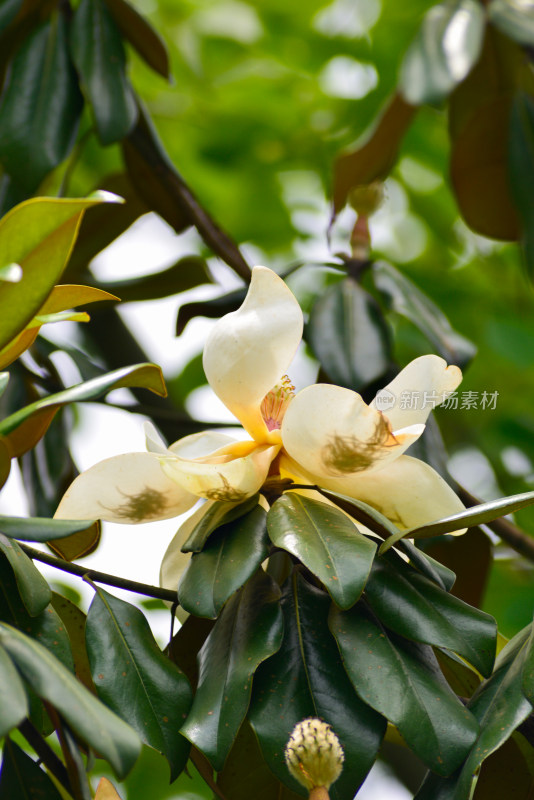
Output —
(319, 793)
(100, 577)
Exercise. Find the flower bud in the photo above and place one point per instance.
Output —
(313, 754)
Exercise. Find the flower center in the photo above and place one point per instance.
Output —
(275, 402)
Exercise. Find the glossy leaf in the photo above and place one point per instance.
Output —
(245, 767)
(39, 529)
(99, 56)
(349, 335)
(326, 542)
(515, 19)
(87, 717)
(248, 631)
(445, 49)
(414, 607)
(22, 778)
(221, 512)
(141, 35)
(229, 558)
(306, 678)
(476, 515)
(374, 158)
(402, 681)
(213, 309)
(499, 706)
(187, 273)
(40, 107)
(33, 589)
(13, 698)
(521, 166)
(405, 298)
(135, 679)
(25, 427)
(470, 556)
(38, 234)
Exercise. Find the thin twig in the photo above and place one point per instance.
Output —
(100, 577)
(45, 753)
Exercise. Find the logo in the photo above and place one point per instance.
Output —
(384, 400)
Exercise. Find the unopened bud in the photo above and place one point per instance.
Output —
(313, 754)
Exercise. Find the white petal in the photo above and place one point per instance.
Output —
(331, 431)
(233, 473)
(423, 383)
(249, 350)
(130, 488)
(201, 445)
(154, 442)
(407, 491)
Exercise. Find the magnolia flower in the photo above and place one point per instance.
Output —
(323, 434)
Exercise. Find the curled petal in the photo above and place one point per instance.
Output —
(427, 380)
(407, 491)
(249, 350)
(227, 474)
(154, 442)
(130, 488)
(209, 444)
(331, 431)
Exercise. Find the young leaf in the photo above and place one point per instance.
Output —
(106, 791)
(74, 620)
(349, 335)
(41, 106)
(37, 234)
(22, 778)
(88, 717)
(402, 681)
(135, 679)
(25, 427)
(405, 298)
(326, 541)
(306, 678)
(98, 53)
(33, 589)
(414, 607)
(445, 49)
(248, 631)
(230, 556)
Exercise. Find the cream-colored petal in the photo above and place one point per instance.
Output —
(130, 488)
(331, 431)
(249, 350)
(421, 386)
(202, 445)
(407, 491)
(154, 442)
(231, 478)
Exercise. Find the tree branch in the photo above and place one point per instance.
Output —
(100, 577)
(45, 753)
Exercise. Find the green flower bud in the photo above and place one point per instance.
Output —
(313, 754)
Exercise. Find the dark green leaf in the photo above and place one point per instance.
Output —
(141, 35)
(40, 529)
(521, 164)
(98, 53)
(306, 678)
(476, 515)
(8, 11)
(188, 272)
(407, 299)
(135, 679)
(514, 19)
(413, 606)
(326, 541)
(213, 309)
(220, 513)
(91, 720)
(248, 631)
(446, 48)
(33, 589)
(13, 699)
(349, 335)
(22, 778)
(500, 706)
(402, 681)
(230, 556)
(41, 106)
(25, 427)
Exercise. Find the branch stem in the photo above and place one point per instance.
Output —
(100, 577)
(45, 753)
